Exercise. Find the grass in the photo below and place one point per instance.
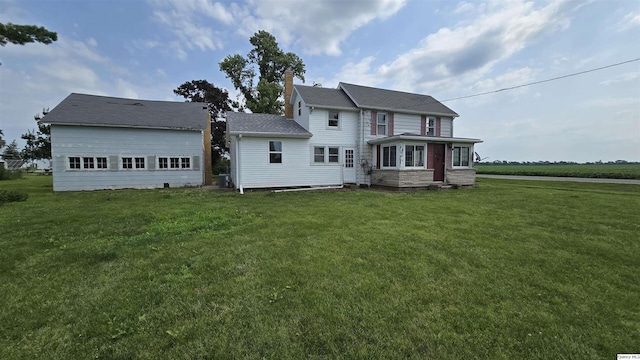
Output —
(609, 171)
(506, 270)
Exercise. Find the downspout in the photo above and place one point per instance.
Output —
(238, 168)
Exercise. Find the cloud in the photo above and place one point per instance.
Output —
(629, 21)
(319, 27)
(189, 21)
(622, 78)
(612, 102)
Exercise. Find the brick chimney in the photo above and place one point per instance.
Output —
(288, 88)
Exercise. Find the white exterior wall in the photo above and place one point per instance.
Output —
(112, 143)
(232, 159)
(446, 127)
(296, 168)
(406, 123)
(303, 118)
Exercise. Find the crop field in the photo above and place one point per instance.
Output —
(609, 171)
(506, 270)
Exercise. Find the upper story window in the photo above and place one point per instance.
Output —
(414, 156)
(275, 152)
(461, 156)
(389, 156)
(382, 124)
(334, 119)
(431, 127)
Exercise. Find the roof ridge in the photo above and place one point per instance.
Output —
(131, 99)
(383, 89)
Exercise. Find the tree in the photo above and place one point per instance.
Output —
(23, 34)
(11, 151)
(38, 144)
(218, 103)
(271, 62)
(2, 142)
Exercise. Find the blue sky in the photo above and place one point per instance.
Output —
(145, 49)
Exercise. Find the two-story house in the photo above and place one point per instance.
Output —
(350, 135)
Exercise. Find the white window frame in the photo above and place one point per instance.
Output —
(328, 158)
(106, 163)
(385, 123)
(430, 126)
(324, 154)
(338, 126)
(79, 158)
(83, 161)
(333, 158)
(275, 152)
(134, 163)
(388, 158)
(460, 160)
(173, 162)
(415, 161)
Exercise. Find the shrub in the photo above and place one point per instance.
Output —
(7, 196)
(10, 174)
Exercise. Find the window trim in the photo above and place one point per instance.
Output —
(460, 162)
(336, 156)
(326, 157)
(133, 163)
(84, 160)
(274, 152)
(413, 157)
(324, 154)
(339, 119)
(430, 126)
(385, 124)
(169, 162)
(388, 158)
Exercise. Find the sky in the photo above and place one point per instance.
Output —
(446, 49)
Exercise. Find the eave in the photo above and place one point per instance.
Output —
(433, 139)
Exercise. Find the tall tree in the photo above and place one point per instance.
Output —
(23, 34)
(218, 103)
(2, 142)
(38, 143)
(11, 151)
(262, 96)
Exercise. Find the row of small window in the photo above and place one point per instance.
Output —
(127, 163)
(414, 156)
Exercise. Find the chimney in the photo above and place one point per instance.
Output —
(288, 88)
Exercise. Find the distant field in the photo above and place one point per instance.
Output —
(608, 171)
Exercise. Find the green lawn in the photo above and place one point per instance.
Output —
(609, 171)
(508, 270)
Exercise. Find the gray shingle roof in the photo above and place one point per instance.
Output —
(82, 109)
(325, 97)
(264, 124)
(382, 99)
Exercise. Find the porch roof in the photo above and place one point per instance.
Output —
(415, 137)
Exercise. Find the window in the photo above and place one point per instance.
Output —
(382, 124)
(140, 163)
(348, 158)
(74, 162)
(460, 156)
(185, 163)
(431, 126)
(334, 155)
(127, 163)
(275, 152)
(101, 162)
(334, 119)
(175, 163)
(318, 154)
(389, 156)
(414, 156)
(87, 163)
(163, 163)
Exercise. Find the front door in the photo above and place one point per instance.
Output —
(435, 161)
(349, 168)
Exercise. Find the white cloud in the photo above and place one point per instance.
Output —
(612, 102)
(629, 21)
(622, 78)
(319, 27)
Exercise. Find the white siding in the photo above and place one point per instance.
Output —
(303, 118)
(116, 142)
(406, 123)
(232, 159)
(322, 134)
(446, 127)
(296, 168)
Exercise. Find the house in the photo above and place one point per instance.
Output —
(100, 142)
(349, 135)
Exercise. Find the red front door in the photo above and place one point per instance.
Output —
(435, 160)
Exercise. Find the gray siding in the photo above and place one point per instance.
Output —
(114, 143)
(446, 127)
